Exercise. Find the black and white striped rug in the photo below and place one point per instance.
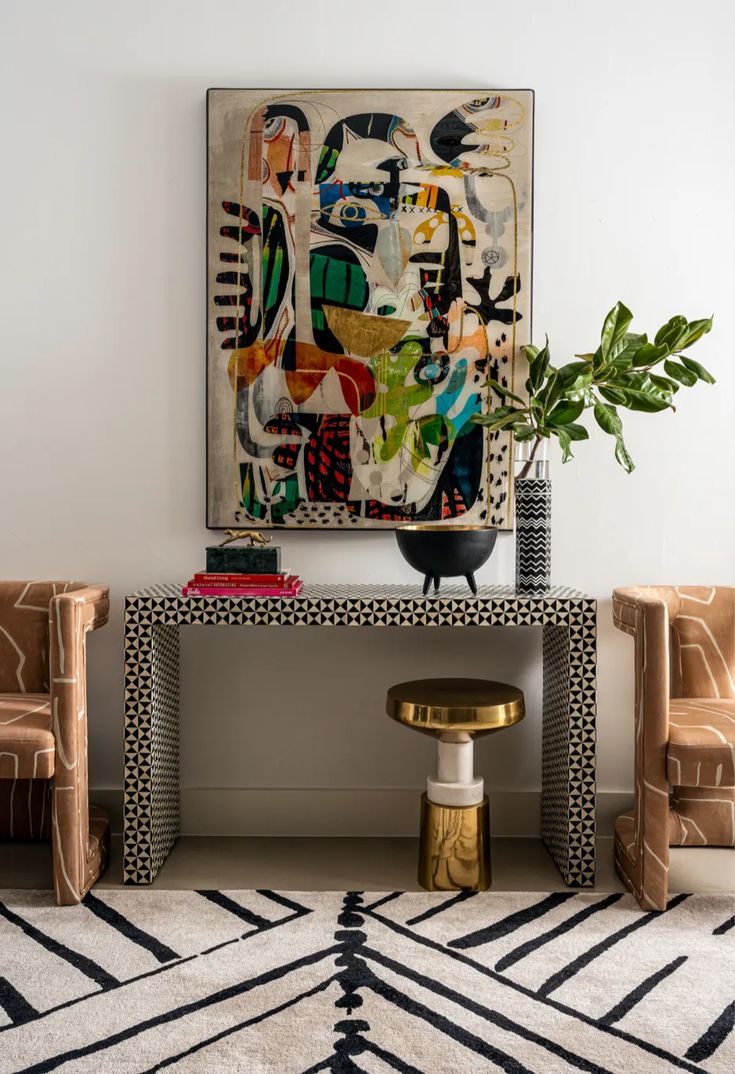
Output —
(253, 982)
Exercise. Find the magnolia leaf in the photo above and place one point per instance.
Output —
(537, 367)
(573, 371)
(613, 395)
(581, 389)
(622, 353)
(552, 389)
(661, 390)
(698, 369)
(565, 412)
(679, 372)
(696, 329)
(565, 441)
(621, 454)
(576, 432)
(493, 422)
(523, 432)
(645, 401)
(664, 384)
(608, 418)
(631, 343)
(501, 390)
(529, 351)
(672, 333)
(650, 354)
(501, 411)
(614, 328)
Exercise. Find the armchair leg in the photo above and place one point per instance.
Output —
(642, 853)
(81, 848)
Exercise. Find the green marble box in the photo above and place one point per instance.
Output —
(242, 559)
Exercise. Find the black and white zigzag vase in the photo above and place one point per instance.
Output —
(533, 534)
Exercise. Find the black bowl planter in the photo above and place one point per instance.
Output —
(446, 550)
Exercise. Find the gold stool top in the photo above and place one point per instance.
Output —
(472, 706)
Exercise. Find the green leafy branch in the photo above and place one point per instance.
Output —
(626, 370)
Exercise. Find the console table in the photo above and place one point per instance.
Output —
(569, 623)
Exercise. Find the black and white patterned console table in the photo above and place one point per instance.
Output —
(569, 622)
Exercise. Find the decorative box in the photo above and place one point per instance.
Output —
(243, 559)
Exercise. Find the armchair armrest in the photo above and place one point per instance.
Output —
(630, 604)
(71, 615)
(646, 613)
(91, 603)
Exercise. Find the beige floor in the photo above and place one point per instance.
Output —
(359, 864)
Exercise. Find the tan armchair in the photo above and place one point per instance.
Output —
(43, 726)
(684, 729)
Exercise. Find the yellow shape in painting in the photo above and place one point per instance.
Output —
(364, 334)
(247, 363)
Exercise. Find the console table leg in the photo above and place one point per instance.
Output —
(568, 746)
(151, 808)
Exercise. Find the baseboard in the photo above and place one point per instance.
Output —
(326, 812)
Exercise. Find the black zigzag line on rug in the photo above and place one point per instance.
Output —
(357, 975)
(713, 1037)
(439, 908)
(255, 1020)
(627, 1003)
(176, 1013)
(85, 965)
(168, 966)
(494, 1017)
(354, 975)
(232, 907)
(527, 948)
(16, 1006)
(386, 898)
(392, 1060)
(160, 951)
(513, 921)
(724, 927)
(561, 976)
(280, 898)
(545, 1000)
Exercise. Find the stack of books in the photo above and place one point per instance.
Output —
(212, 584)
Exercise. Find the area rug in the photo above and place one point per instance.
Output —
(261, 981)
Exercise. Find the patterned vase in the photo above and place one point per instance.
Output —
(532, 489)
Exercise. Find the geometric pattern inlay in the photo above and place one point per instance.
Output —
(569, 622)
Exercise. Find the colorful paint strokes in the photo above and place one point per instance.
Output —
(369, 274)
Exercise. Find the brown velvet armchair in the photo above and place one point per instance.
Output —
(43, 727)
(684, 729)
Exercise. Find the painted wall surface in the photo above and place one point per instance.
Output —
(102, 195)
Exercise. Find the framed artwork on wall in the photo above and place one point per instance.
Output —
(369, 271)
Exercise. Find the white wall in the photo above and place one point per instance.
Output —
(102, 194)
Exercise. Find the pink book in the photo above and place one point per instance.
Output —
(245, 591)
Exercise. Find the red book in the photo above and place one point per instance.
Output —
(242, 591)
(208, 578)
(200, 583)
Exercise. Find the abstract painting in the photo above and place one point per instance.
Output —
(369, 272)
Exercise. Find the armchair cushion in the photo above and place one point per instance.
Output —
(701, 750)
(27, 749)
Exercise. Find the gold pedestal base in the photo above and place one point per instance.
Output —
(454, 847)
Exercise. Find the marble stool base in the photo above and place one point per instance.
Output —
(454, 846)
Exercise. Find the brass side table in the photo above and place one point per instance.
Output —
(454, 844)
